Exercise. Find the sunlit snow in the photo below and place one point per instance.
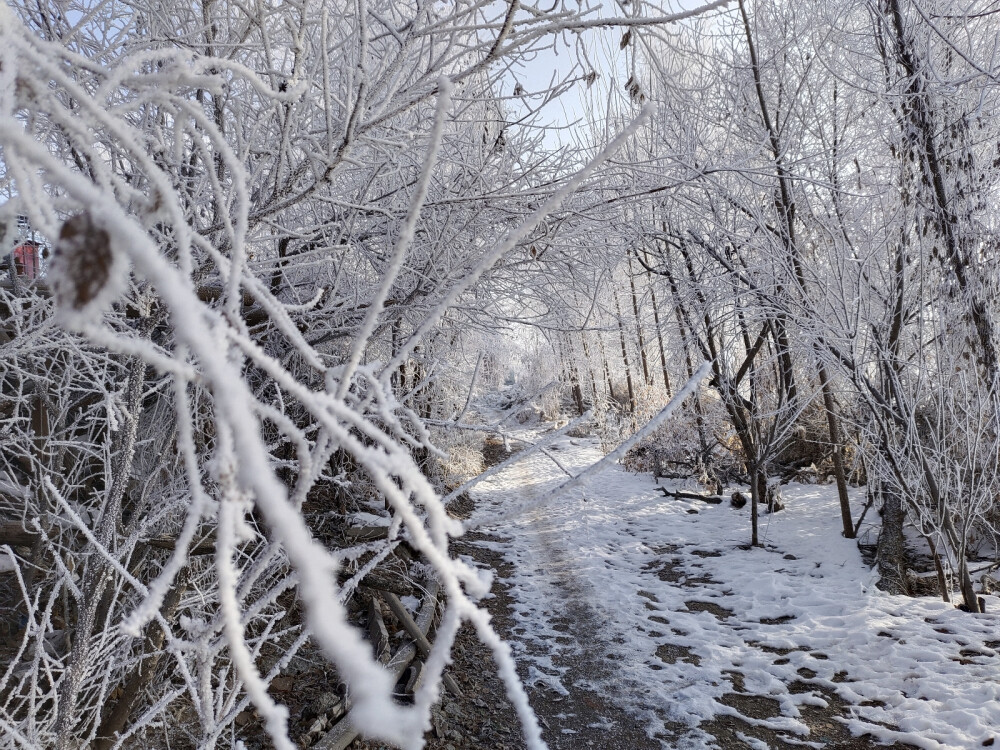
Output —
(805, 603)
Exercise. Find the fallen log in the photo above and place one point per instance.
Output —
(15, 535)
(672, 475)
(377, 632)
(345, 731)
(204, 546)
(423, 645)
(366, 533)
(382, 579)
(416, 678)
(682, 495)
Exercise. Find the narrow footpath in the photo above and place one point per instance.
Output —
(641, 621)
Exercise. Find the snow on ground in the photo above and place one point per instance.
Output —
(688, 613)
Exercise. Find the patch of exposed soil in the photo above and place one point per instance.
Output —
(825, 723)
(495, 452)
(712, 608)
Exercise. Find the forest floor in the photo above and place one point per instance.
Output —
(642, 621)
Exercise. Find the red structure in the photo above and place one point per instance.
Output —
(27, 259)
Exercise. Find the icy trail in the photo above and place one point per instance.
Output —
(643, 621)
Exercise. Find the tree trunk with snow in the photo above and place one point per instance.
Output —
(891, 548)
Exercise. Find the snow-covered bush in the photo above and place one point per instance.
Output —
(464, 459)
(265, 216)
(698, 443)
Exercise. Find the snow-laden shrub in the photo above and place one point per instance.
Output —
(243, 345)
(461, 458)
(465, 460)
(699, 444)
(807, 448)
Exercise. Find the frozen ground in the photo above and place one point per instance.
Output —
(657, 607)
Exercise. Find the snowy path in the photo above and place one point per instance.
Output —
(626, 603)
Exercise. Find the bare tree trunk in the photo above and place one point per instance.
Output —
(659, 339)
(638, 321)
(919, 110)
(833, 424)
(755, 500)
(633, 407)
(607, 369)
(686, 345)
(590, 368)
(574, 376)
(787, 211)
(942, 579)
(969, 597)
(957, 542)
(891, 551)
(95, 576)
